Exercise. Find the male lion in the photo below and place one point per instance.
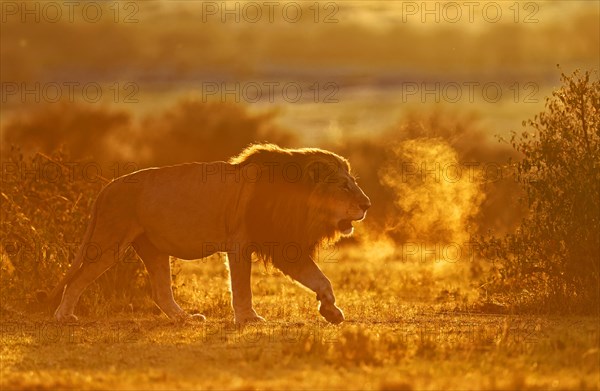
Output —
(276, 203)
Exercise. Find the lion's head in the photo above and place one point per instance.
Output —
(301, 197)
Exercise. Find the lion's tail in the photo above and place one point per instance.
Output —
(53, 298)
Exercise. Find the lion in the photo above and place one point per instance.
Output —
(275, 204)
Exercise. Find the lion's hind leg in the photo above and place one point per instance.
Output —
(103, 250)
(159, 270)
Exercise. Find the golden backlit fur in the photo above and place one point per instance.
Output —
(278, 204)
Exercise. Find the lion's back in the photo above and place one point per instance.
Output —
(181, 208)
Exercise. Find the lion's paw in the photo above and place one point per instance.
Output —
(196, 318)
(184, 317)
(68, 318)
(248, 318)
(331, 313)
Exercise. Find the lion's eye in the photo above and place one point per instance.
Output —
(345, 186)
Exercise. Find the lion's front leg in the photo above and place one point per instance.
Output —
(241, 291)
(306, 272)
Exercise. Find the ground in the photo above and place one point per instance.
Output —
(398, 335)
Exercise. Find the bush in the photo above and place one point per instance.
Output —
(45, 206)
(552, 261)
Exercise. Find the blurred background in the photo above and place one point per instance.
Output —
(420, 96)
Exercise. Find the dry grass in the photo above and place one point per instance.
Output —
(399, 335)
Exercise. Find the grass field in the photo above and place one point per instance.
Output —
(405, 330)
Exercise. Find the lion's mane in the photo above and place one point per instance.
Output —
(286, 210)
